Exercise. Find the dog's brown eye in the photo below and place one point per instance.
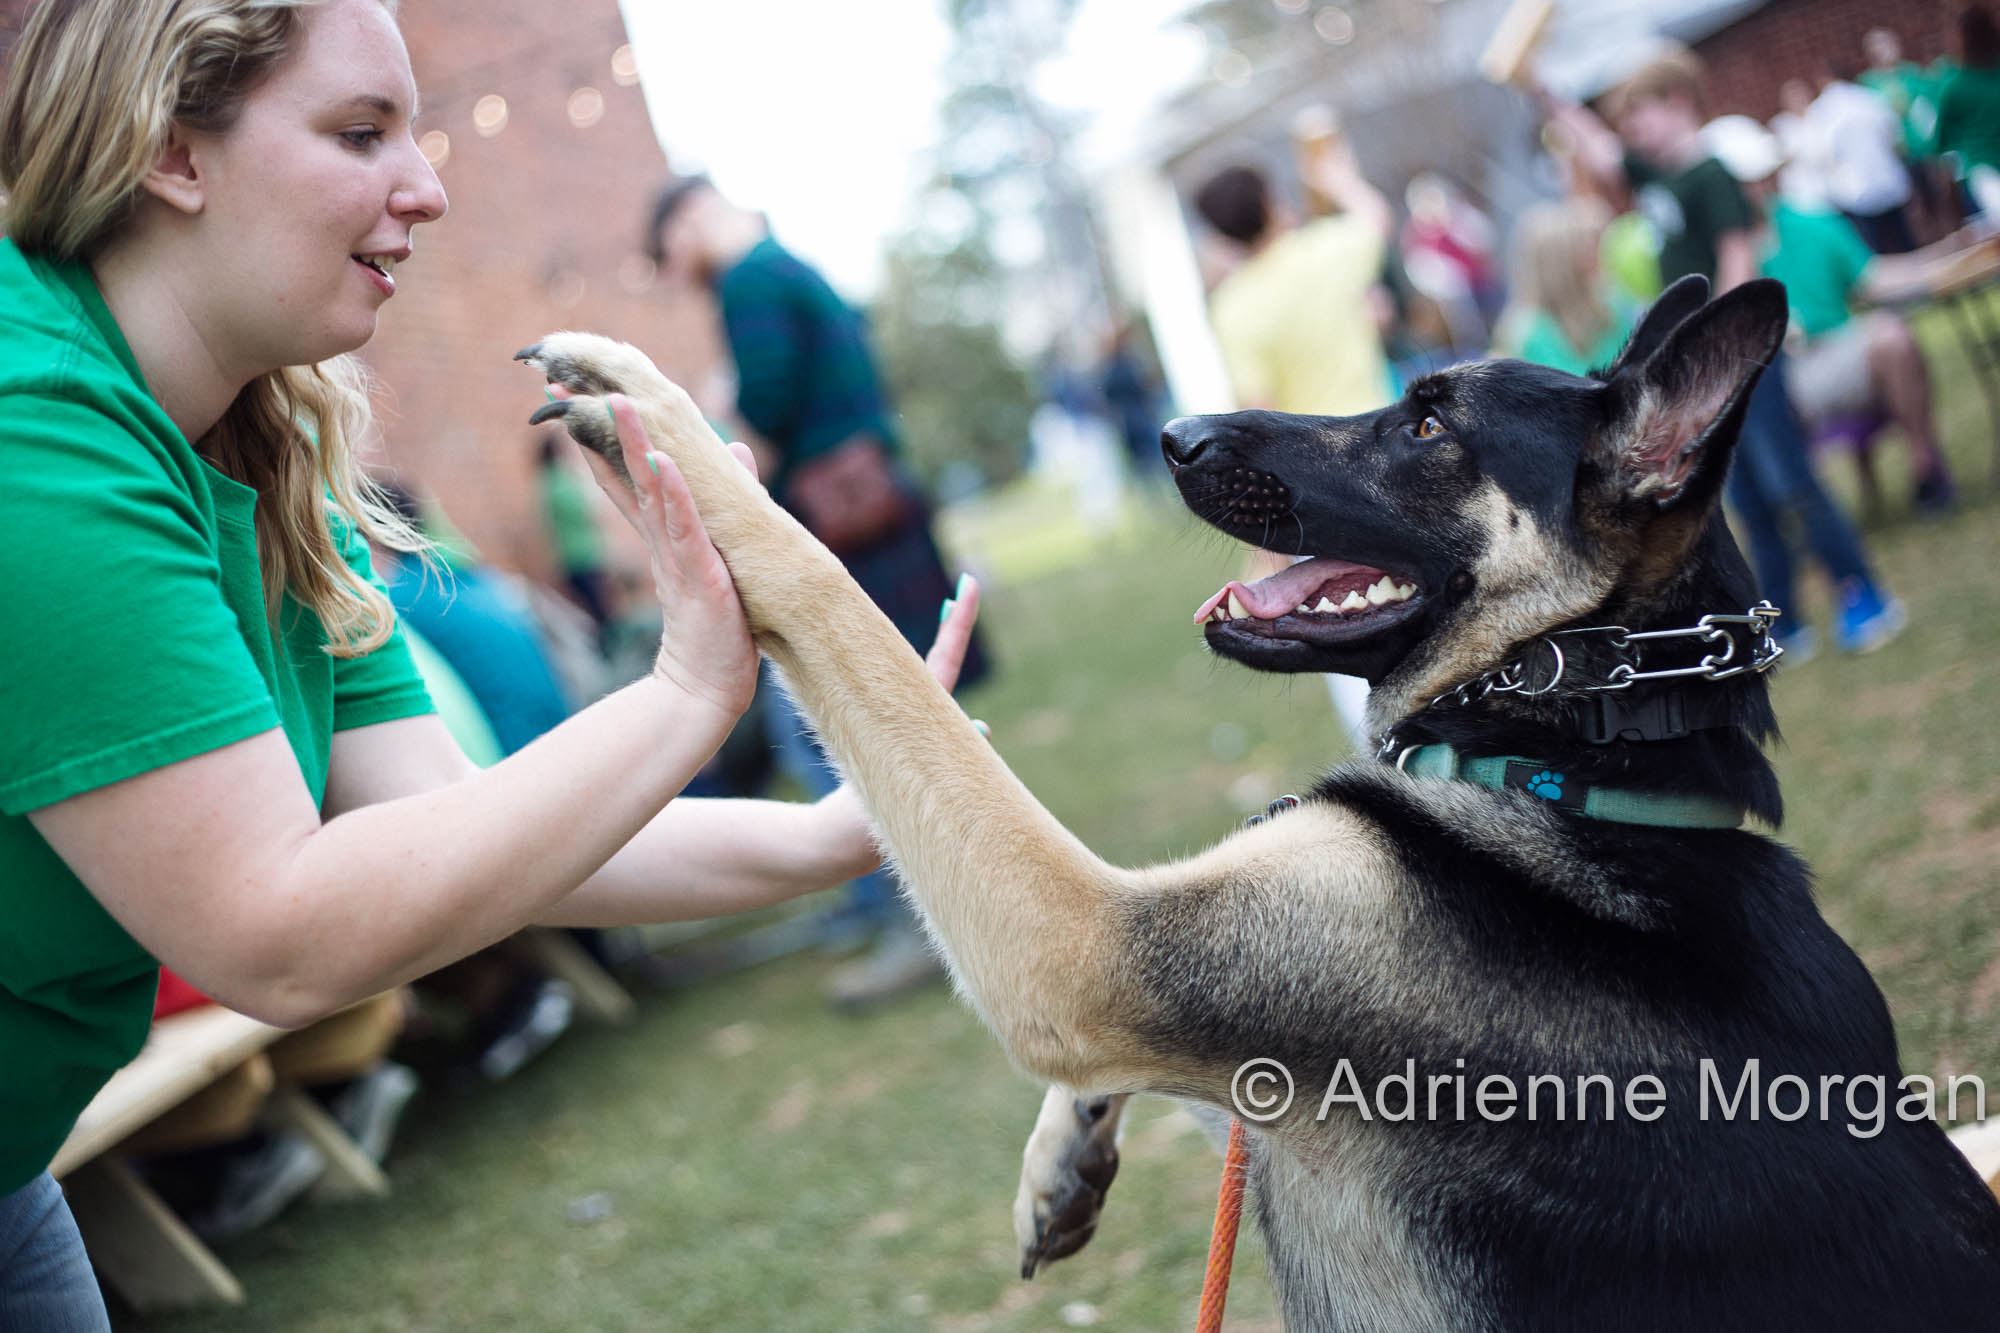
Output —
(1430, 428)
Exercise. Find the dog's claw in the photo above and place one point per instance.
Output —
(529, 353)
(549, 411)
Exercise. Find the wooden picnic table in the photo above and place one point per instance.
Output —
(1958, 285)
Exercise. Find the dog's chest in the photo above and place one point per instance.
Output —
(1344, 1258)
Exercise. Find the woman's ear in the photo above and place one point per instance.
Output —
(176, 177)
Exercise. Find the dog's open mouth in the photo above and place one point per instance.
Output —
(1321, 601)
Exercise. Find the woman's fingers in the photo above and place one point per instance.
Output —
(954, 634)
(746, 456)
(632, 440)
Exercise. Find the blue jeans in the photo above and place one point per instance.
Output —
(45, 1278)
(1772, 477)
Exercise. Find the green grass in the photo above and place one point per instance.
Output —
(771, 1165)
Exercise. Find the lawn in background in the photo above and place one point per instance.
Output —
(740, 1158)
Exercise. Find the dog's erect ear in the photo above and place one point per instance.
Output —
(1674, 416)
(1666, 314)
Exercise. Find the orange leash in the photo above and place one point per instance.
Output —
(1222, 1241)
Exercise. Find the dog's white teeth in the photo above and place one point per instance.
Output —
(1405, 591)
(1304, 610)
(1219, 616)
(1354, 601)
(1236, 611)
(1382, 590)
(1326, 606)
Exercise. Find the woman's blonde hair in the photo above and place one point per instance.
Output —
(95, 88)
(1552, 266)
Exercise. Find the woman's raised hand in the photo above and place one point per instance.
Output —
(705, 646)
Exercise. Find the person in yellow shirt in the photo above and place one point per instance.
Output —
(1293, 319)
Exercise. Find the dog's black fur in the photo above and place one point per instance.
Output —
(1393, 918)
(1711, 936)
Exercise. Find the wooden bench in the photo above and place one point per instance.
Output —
(209, 1075)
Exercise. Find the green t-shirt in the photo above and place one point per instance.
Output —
(1534, 335)
(572, 520)
(140, 637)
(1968, 116)
(1691, 209)
(1819, 256)
(1911, 92)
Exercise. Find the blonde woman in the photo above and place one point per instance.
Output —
(1560, 312)
(216, 753)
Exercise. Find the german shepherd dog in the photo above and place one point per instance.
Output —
(1572, 1049)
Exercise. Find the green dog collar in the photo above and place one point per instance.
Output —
(1618, 804)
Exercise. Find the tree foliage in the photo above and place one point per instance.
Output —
(963, 398)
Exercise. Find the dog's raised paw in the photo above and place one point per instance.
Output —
(590, 367)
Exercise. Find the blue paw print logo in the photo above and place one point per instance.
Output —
(1547, 785)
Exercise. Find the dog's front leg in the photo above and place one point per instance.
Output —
(1066, 1168)
(1098, 978)
(1024, 912)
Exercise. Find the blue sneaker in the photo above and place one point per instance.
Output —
(1867, 620)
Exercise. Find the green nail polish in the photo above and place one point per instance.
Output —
(964, 583)
(944, 612)
(653, 462)
(548, 393)
(982, 728)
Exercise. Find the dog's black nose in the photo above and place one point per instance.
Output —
(1185, 438)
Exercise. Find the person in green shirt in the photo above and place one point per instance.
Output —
(570, 517)
(1968, 98)
(216, 753)
(1843, 361)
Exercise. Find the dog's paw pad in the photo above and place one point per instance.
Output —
(1547, 784)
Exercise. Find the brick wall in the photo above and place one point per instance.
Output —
(1749, 60)
(13, 13)
(544, 232)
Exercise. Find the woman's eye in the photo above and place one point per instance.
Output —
(360, 138)
(1430, 428)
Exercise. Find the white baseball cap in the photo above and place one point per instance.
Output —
(1748, 150)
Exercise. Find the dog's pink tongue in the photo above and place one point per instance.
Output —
(1281, 593)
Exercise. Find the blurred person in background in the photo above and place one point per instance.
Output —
(1446, 246)
(1804, 176)
(1294, 319)
(1129, 379)
(1842, 364)
(1911, 91)
(1968, 112)
(1560, 311)
(569, 516)
(1856, 138)
(1706, 226)
(482, 627)
(809, 394)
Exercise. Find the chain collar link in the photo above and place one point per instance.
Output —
(1733, 653)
